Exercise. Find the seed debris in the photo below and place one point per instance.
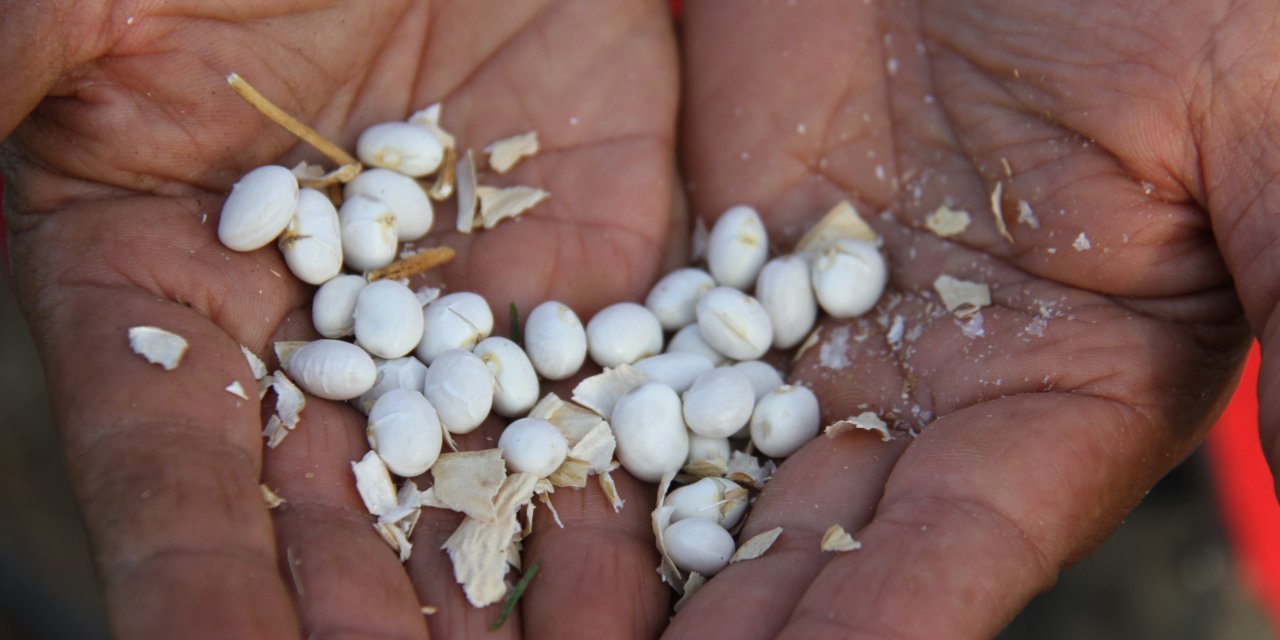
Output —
(945, 222)
(962, 297)
(756, 545)
(270, 497)
(420, 262)
(838, 540)
(505, 153)
(867, 421)
(158, 346)
(997, 209)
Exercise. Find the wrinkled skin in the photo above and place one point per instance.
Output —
(1095, 371)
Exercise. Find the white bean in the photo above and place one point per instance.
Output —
(388, 319)
(690, 340)
(785, 292)
(535, 446)
(515, 381)
(719, 403)
(454, 321)
(707, 499)
(652, 438)
(734, 323)
(708, 449)
(673, 298)
(849, 277)
(368, 233)
(784, 419)
(737, 247)
(623, 333)
(312, 243)
(406, 198)
(677, 370)
(555, 340)
(405, 431)
(698, 545)
(402, 147)
(399, 373)
(460, 387)
(258, 209)
(333, 310)
(332, 369)
(764, 378)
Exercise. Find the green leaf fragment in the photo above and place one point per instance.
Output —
(518, 590)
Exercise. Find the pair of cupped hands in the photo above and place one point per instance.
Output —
(1143, 137)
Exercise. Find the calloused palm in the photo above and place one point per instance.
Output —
(114, 184)
(1142, 138)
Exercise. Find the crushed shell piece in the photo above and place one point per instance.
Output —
(699, 469)
(430, 118)
(1026, 216)
(373, 482)
(599, 392)
(256, 365)
(285, 348)
(841, 222)
(395, 538)
(696, 581)
(270, 497)
(428, 610)
(611, 490)
(573, 421)
(410, 266)
(590, 455)
(838, 540)
(479, 548)
(290, 400)
(1082, 243)
(545, 498)
(962, 297)
(867, 420)
(158, 346)
(236, 390)
(746, 470)
(498, 204)
(945, 222)
(756, 546)
(468, 198)
(997, 210)
(468, 481)
(274, 432)
(505, 153)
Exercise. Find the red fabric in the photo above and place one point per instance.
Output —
(1246, 493)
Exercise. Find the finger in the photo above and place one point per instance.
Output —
(346, 581)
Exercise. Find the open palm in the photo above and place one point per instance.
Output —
(1114, 328)
(115, 180)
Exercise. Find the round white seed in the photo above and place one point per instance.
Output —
(673, 298)
(623, 333)
(715, 499)
(368, 233)
(332, 369)
(555, 340)
(333, 310)
(515, 381)
(737, 247)
(405, 431)
(652, 438)
(405, 197)
(719, 403)
(677, 370)
(698, 545)
(709, 450)
(399, 373)
(312, 243)
(388, 319)
(784, 419)
(849, 277)
(785, 292)
(454, 321)
(533, 446)
(258, 209)
(690, 340)
(400, 146)
(460, 387)
(764, 378)
(734, 323)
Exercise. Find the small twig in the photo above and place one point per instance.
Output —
(341, 175)
(413, 265)
(514, 597)
(278, 116)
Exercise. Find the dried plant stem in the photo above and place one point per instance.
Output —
(443, 187)
(278, 116)
(414, 264)
(341, 175)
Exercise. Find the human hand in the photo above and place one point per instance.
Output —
(113, 184)
(1148, 129)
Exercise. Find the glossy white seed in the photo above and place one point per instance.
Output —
(784, 419)
(698, 545)
(258, 209)
(677, 370)
(399, 373)
(784, 290)
(737, 247)
(368, 233)
(734, 323)
(623, 333)
(849, 277)
(333, 310)
(535, 446)
(515, 382)
(332, 369)
(405, 431)
(555, 340)
(312, 243)
(719, 403)
(460, 387)
(706, 449)
(690, 340)
(402, 147)
(388, 319)
(764, 378)
(406, 198)
(652, 438)
(454, 321)
(673, 298)
(715, 499)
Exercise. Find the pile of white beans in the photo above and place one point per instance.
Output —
(419, 370)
